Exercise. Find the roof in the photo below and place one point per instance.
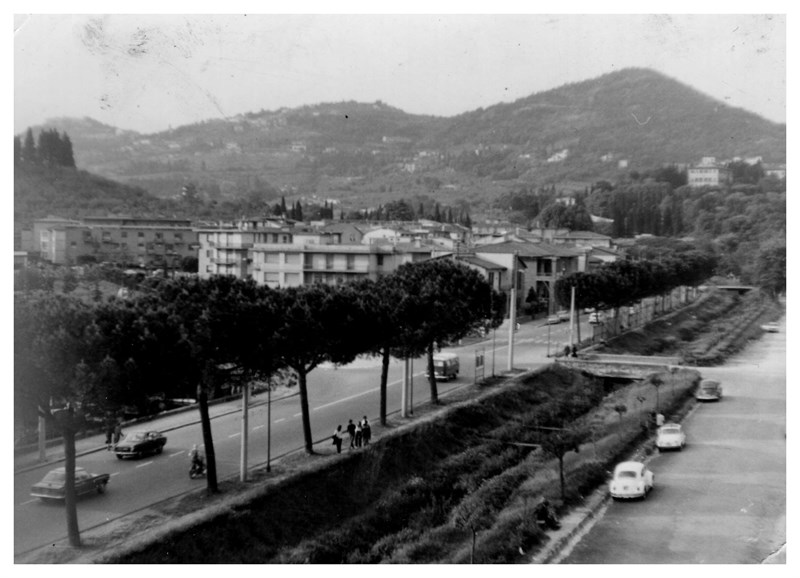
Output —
(531, 250)
(629, 466)
(482, 263)
(581, 235)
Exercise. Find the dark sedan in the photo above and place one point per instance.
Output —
(140, 443)
(53, 485)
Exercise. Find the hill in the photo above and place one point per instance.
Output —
(363, 154)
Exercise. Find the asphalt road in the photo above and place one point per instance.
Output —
(336, 395)
(722, 500)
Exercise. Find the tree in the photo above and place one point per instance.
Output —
(442, 301)
(557, 442)
(29, 148)
(771, 269)
(54, 341)
(317, 323)
(621, 409)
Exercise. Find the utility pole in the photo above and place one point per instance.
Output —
(245, 403)
(269, 425)
(571, 317)
(404, 394)
(512, 316)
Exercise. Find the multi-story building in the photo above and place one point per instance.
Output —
(151, 243)
(708, 172)
(282, 256)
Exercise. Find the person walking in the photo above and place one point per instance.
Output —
(337, 439)
(366, 431)
(359, 434)
(109, 432)
(118, 432)
(351, 431)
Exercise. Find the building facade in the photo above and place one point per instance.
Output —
(708, 173)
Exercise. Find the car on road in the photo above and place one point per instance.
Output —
(445, 366)
(670, 436)
(563, 314)
(140, 443)
(708, 390)
(553, 320)
(771, 327)
(53, 485)
(631, 480)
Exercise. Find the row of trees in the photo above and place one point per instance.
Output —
(190, 337)
(623, 283)
(53, 149)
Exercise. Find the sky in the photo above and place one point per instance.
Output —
(149, 72)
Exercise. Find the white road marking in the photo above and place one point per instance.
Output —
(234, 435)
(297, 414)
(257, 427)
(176, 454)
(144, 464)
(114, 474)
(282, 419)
(28, 502)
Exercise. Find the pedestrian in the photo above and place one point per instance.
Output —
(359, 435)
(366, 431)
(351, 431)
(574, 351)
(109, 432)
(337, 439)
(118, 432)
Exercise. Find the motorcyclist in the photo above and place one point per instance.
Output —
(196, 458)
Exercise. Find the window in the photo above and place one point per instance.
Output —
(292, 258)
(141, 234)
(124, 234)
(271, 278)
(380, 260)
(178, 236)
(106, 236)
(271, 258)
(141, 246)
(159, 236)
(209, 253)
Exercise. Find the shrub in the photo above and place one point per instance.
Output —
(502, 544)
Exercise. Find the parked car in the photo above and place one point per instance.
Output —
(709, 390)
(553, 320)
(670, 436)
(139, 443)
(445, 366)
(563, 314)
(53, 485)
(771, 327)
(631, 480)
(596, 318)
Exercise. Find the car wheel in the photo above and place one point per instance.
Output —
(119, 457)
(101, 488)
(159, 449)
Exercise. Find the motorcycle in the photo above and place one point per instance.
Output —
(198, 470)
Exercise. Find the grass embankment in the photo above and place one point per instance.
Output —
(703, 333)
(421, 494)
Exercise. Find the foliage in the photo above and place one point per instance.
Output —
(770, 273)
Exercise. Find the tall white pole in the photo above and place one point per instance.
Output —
(411, 387)
(512, 317)
(269, 426)
(404, 393)
(42, 439)
(571, 317)
(245, 403)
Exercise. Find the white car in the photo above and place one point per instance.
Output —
(631, 480)
(670, 437)
(770, 327)
(563, 314)
(596, 318)
(553, 320)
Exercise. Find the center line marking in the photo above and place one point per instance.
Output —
(234, 435)
(144, 464)
(176, 454)
(258, 427)
(28, 502)
(282, 419)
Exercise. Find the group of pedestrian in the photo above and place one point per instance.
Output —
(359, 433)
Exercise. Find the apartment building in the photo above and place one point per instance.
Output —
(142, 242)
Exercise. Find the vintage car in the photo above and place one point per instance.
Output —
(631, 480)
(445, 366)
(670, 436)
(553, 320)
(771, 327)
(563, 314)
(139, 443)
(53, 485)
(708, 390)
(596, 318)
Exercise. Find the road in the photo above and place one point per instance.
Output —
(722, 500)
(335, 395)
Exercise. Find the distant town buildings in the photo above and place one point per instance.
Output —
(708, 172)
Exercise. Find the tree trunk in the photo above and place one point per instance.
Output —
(301, 380)
(384, 381)
(432, 376)
(561, 477)
(70, 499)
(208, 440)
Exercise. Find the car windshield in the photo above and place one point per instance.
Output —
(136, 436)
(670, 430)
(626, 474)
(54, 477)
(710, 388)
